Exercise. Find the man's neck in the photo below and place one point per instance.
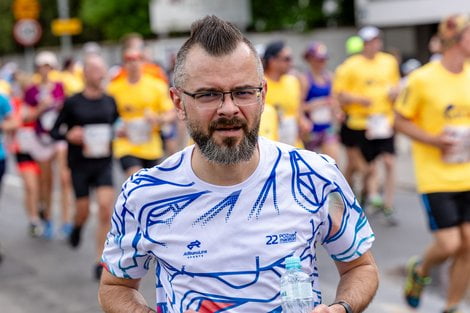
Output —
(133, 78)
(453, 61)
(223, 175)
(369, 54)
(91, 92)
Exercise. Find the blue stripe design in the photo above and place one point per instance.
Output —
(270, 184)
(228, 202)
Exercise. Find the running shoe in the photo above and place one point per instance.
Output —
(374, 205)
(389, 216)
(48, 231)
(66, 230)
(415, 283)
(74, 239)
(35, 230)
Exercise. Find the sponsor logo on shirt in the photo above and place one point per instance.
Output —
(194, 254)
(281, 238)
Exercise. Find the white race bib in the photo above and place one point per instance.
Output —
(48, 119)
(460, 153)
(138, 131)
(97, 140)
(378, 127)
(288, 131)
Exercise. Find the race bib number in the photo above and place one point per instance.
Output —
(29, 142)
(378, 127)
(138, 131)
(97, 140)
(48, 119)
(288, 131)
(321, 115)
(460, 153)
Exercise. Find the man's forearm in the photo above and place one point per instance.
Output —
(121, 299)
(358, 287)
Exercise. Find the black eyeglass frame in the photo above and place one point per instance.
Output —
(223, 93)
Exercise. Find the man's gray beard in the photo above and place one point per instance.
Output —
(229, 153)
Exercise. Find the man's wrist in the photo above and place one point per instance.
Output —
(344, 304)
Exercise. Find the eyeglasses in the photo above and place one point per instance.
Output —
(213, 99)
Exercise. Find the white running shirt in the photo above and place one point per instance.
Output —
(219, 248)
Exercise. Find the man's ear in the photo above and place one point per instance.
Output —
(178, 103)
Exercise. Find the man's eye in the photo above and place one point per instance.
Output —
(244, 93)
(207, 95)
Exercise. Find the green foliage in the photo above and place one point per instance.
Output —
(111, 19)
(6, 27)
(116, 18)
(287, 14)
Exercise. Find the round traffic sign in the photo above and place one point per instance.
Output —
(27, 32)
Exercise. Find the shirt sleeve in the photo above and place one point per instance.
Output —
(123, 255)
(5, 106)
(407, 103)
(345, 232)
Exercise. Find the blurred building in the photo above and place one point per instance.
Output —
(408, 24)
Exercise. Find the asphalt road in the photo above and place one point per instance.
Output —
(49, 277)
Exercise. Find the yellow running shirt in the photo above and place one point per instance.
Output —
(371, 78)
(133, 101)
(433, 99)
(285, 96)
(269, 125)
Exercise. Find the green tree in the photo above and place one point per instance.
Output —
(116, 18)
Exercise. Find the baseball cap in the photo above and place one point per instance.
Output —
(46, 58)
(316, 50)
(367, 33)
(451, 27)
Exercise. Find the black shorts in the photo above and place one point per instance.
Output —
(129, 161)
(371, 149)
(88, 175)
(447, 209)
(351, 138)
(3, 165)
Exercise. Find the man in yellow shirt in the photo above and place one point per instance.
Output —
(366, 87)
(144, 105)
(284, 91)
(434, 110)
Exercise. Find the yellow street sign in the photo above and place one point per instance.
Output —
(70, 26)
(26, 9)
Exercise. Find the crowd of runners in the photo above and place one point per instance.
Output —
(69, 124)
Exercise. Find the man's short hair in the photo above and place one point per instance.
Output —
(451, 28)
(217, 37)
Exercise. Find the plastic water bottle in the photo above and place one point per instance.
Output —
(296, 288)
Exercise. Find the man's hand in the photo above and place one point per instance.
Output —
(75, 135)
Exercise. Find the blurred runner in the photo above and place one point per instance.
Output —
(434, 110)
(5, 126)
(284, 91)
(44, 99)
(144, 106)
(89, 117)
(367, 91)
(72, 77)
(350, 139)
(321, 108)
